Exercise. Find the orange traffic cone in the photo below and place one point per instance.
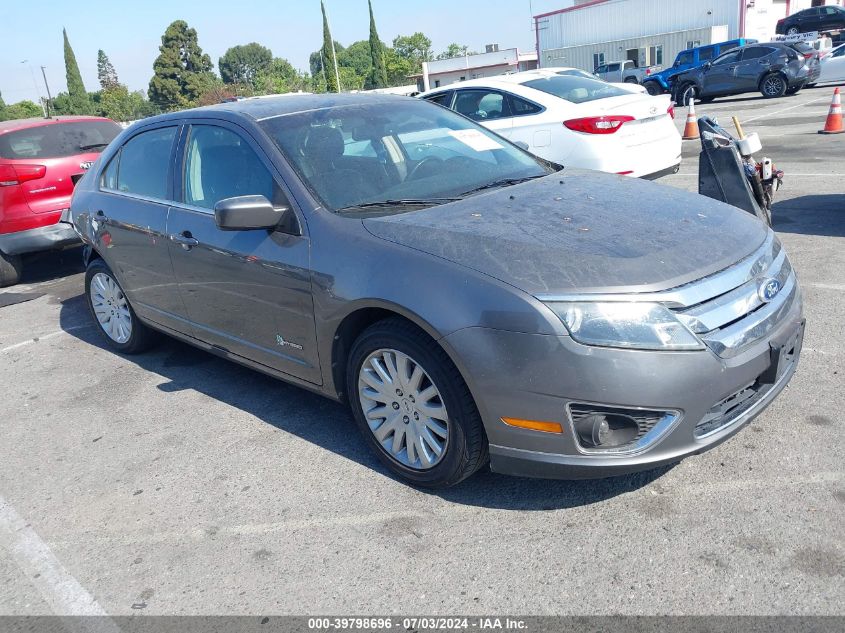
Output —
(691, 128)
(834, 125)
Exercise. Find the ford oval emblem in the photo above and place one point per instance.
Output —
(768, 290)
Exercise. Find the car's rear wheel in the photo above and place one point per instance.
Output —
(115, 318)
(413, 407)
(631, 80)
(10, 269)
(792, 30)
(773, 85)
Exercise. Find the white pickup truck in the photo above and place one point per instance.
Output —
(624, 71)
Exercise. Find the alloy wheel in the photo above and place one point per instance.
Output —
(111, 308)
(403, 409)
(773, 86)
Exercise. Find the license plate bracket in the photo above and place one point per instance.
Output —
(782, 357)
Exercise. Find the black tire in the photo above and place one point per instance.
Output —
(10, 269)
(653, 88)
(773, 86)
(793, 30)
(684, 93)
(466, 449)
(141, 337)
(631, 80)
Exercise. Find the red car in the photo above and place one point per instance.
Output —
(40, 162)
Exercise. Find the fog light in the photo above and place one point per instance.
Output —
(607, 430)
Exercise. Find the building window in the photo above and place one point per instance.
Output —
(598, 60)
(693, 44)
(436, 83)
(657, 57)
(462, 79)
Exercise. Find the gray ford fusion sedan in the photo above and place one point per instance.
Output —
(470, 302)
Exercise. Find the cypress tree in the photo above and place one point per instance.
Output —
(106, 72)
(378, 71)
(329, 61)
(79, 101)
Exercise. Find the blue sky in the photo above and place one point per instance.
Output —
(130, 33)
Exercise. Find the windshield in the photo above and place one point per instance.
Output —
(395, 150)
(56, 140)
(576, 89)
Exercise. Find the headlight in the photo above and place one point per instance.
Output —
(626, 324)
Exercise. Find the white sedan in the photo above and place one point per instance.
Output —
(833, 66)
(573, 120)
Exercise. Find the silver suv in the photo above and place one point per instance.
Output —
(469, 301)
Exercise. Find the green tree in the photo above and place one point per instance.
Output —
(80, 103)
(414, 48)
(378, 73)
(106, 73)
(182, 72)
(329, 61)
(20, 110)
(455, 50)
(357, 57)
(398, 68)
(280, 77)
(2, 103)
(240, 64)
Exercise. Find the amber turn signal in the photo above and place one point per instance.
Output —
(534, 425)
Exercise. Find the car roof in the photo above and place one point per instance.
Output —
(502, 81)
(267, 107)
(22, 124)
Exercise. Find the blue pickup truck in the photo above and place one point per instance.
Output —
(659, 83)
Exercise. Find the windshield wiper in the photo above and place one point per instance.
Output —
(406, 202)
(92, 146)
(505, 182)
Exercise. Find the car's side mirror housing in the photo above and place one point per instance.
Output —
(708, 66)
(248, 213)
(522, 145)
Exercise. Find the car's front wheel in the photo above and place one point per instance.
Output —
(10, 269)
(773, 85)
(115, 318)
(686, 94)
(653, 88)
(793, 30)
(413, 407)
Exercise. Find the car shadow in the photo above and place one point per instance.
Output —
(295, 410)
(51, 265)
(817, 214)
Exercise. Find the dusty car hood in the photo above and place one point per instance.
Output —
(581, 231)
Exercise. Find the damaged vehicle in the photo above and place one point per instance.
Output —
(470, 302)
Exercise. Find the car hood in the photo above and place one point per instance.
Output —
(581, 231)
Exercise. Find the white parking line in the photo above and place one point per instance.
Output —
(59, 589)
(817, 284)
(38, 339)
(776, 112)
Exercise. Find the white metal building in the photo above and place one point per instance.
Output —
(491, 63)
(587, 33)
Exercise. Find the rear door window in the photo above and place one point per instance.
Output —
(521, 107)
(756, 52)
(441, 98)
(143, 165)
(482, 105)
(57, 140)
(706, 54)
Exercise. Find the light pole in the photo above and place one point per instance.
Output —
(47, 86)
(35, 85)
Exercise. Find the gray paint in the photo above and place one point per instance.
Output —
(468, 281)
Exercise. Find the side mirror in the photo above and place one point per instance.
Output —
(522, 145)
(246, 213)
(708, 66)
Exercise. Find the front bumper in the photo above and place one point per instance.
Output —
(54, 236)
(535, 377)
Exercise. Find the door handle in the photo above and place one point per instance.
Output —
(184, 239)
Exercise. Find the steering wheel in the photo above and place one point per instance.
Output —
(428, 160)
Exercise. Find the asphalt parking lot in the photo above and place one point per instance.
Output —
(178, 483)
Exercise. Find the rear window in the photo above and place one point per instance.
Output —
(575, 89)
(58, 140)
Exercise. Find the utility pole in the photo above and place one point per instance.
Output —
(35, 84)
(46, 85)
